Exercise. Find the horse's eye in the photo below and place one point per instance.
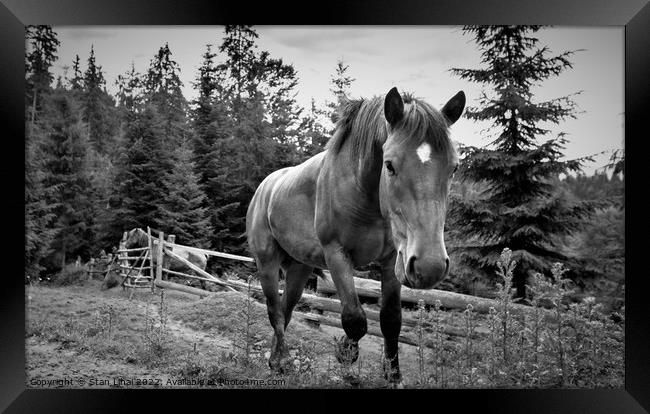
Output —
(455, 169)
(389, 167)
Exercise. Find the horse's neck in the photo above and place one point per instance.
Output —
(367, 174)
(359, 197)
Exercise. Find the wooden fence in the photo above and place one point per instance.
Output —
(150, 275)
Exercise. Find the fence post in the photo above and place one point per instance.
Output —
(171, 238)
(159, 259)
(91, 267)
(151, 269)
(121, 254)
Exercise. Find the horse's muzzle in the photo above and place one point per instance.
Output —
(423, 273)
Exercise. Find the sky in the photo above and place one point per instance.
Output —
(415, 59)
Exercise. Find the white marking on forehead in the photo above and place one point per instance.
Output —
(424, 152)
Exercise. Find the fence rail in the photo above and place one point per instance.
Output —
(369, 288)
(372, 289)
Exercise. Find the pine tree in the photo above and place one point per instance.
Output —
(130, 94)
(98, 107)
(256, 89)
(240, 66)
(314, 137)
(183, 209)
(341, 83)
(76, 83)
(66, 177)
(209, 118)
(212, 124)
(139, 186)
(280, 81)
(521, 208)
(42, 48)
(206, 84)
(231, 194)
(39, 216)
(162, 87)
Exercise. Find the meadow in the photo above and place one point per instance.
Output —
(170, 339)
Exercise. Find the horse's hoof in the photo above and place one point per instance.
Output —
(393, 376)
(276, 365)
(396, 385)
(281, 364)
(347, 351)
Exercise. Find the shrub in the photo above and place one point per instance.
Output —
(70, 275)
(111, 280)
(557, 342)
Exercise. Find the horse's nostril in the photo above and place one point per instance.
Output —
(446, 265)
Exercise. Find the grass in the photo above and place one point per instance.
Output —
(226, 337)
(579, 347)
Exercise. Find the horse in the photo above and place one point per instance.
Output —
(139, 238)
(377, 193)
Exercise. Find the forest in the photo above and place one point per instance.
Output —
(97, 164)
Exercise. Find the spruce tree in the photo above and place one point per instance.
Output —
(341, 83)
(206, 84)
(255, 88)
(162, 88)
(39, 213)
(279, 83)
(240, 66)
(98, 107)
(67, 179)
(112, 172)
(183, 210)
(139, 186)
(209, 118)
(41, 55)
(212, 124)
(76, 83)
(130, 94)
(520, 209)
(42, 45)
(314, 136)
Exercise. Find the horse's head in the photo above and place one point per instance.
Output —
(134, 238)
(419, 161)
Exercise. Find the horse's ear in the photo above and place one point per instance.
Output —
(454, 108)
(393, 107)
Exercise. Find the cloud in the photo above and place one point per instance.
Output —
(89, 34)
(315, 39)
(414, 77)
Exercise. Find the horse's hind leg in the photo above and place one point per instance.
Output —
(296, 275)
(268, 266)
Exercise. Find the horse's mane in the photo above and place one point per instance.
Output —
(142, 237)
(361, 122)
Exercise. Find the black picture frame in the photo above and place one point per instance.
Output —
(633, 14)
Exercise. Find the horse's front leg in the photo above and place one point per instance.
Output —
(390, 319)
(353, 318)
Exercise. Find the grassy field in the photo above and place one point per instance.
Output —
(101, 338)
(79, 331)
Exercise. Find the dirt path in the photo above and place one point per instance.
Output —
(50, 365)
(205, 328)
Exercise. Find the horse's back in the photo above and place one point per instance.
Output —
(282, 212)
(260, 241)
